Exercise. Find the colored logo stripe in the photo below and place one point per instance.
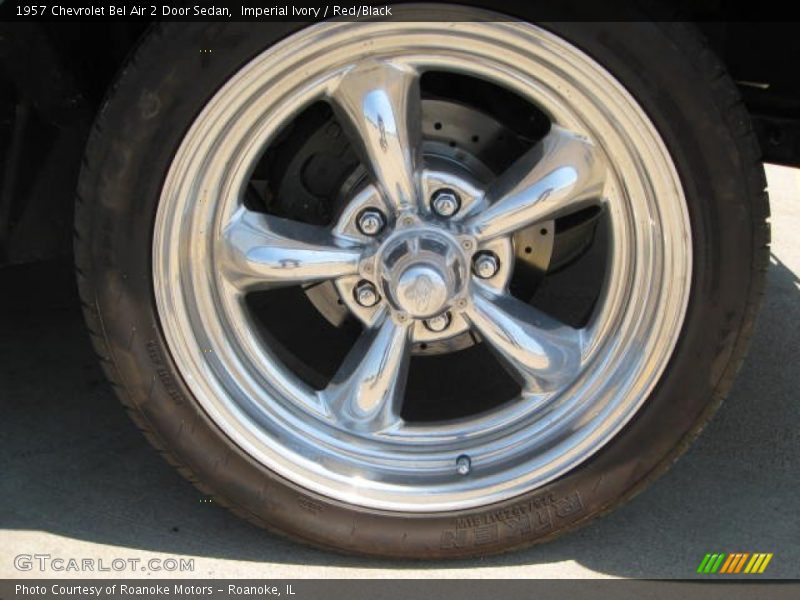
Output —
(734, 563)
(728, 563)
(710, 563)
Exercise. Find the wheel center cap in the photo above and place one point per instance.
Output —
(421, 290)
(421, 271)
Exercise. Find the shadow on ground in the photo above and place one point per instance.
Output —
(73, 464)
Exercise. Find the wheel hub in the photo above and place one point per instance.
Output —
(422, 261)
(421, 271)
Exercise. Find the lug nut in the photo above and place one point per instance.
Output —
(485, 265)
(371, 221)
(463, 465)
(366, 294)
(445, 203)
(438, 323)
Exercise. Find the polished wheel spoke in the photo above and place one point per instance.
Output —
(543, 352)
(379, 105)
(561, 174)
(259, 251)
(366, 393)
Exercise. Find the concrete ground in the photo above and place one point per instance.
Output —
(77, 480)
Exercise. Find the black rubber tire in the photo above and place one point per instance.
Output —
(695, 106)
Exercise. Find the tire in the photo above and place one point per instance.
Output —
(696, 110)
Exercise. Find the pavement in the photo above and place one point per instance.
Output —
(77, 480)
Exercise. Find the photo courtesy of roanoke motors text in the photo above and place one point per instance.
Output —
(415, 299)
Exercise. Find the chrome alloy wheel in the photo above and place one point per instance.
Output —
(421, 251)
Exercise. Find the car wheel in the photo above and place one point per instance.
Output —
(408, 290)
